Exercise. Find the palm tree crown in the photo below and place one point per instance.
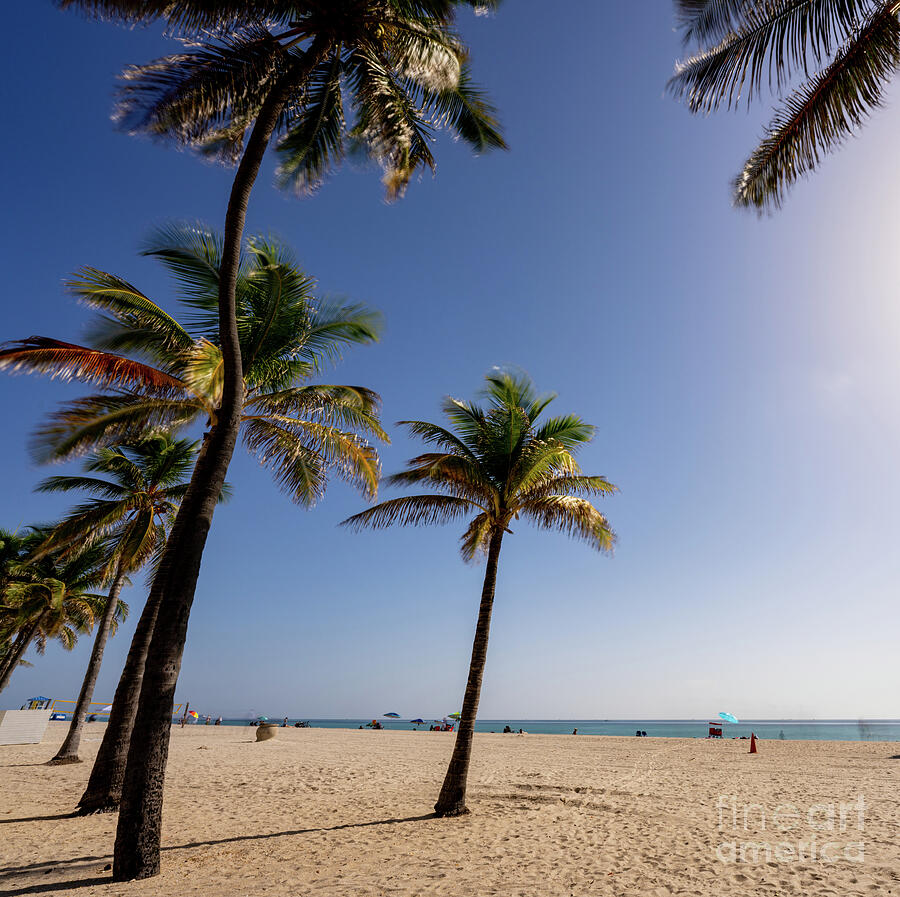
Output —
(171, 374)
(131, 506)
(399, 67)
(497, 463)
(48, 596)
(846, 51)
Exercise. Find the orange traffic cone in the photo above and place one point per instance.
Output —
(753, 744)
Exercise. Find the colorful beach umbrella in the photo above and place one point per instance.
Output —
(194, 714)
(728, 717)
(418, 722)
(392, 715)
(454, 715)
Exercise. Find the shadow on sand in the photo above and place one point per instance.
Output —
(7, 873)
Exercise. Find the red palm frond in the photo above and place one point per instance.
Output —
(68, 361)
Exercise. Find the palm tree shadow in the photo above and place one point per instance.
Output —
(56, 886)
(39, 818)
(299, 831)
(10, 871)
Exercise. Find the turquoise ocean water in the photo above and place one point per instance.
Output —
(790, 730)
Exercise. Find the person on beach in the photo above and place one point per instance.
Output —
(284, 724)
(574, 731)
(219, 721)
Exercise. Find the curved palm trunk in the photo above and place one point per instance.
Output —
(452, 799)
(140, 813)
(104, 788)
(7, 660)
(68, 752)
(18, 652)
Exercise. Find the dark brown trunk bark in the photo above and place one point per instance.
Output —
(18, 653)
(136, 852)
(104, 788)
(68, 752)
(452, 799)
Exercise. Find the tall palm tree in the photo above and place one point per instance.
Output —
(52, 598)
(286, 69)
(302, 431)
(496, 463)
(130, 509)
(845, 51)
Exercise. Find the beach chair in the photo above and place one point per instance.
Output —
(715, 731)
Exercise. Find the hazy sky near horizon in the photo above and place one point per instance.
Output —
(743, 373)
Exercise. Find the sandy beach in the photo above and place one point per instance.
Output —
(318, 811)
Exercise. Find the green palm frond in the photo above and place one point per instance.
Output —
(91, 485)
(332, 327)
(435, 434)
(314, 142)
(101, 420)
(466, 110)
(137, 323)
(570, 485)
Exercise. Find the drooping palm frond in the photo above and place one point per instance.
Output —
(467, 111)
(823, 113)
(67, 361)
(569, 485)
(93, 422)
(314, 142)
(412, 510)
(574, 516)
(347, 407)
(773, 39)
(192, 97)
(846, 50)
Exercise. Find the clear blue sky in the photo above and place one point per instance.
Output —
(744, 376)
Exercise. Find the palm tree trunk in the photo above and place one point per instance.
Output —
(7, 660)
(104, 788)
(452, 799)
(140, 813)
(68, 753)
(18, 653)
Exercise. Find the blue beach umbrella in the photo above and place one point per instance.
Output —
(418, 722)
(728, 717)
(392, 715)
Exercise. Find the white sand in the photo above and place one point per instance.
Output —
(319, 811)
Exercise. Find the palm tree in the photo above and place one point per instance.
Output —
(12, 553)
(51, 598)
(130, 509)
(300, 430)
(495, 463)
(286, 69)
(846, 51)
